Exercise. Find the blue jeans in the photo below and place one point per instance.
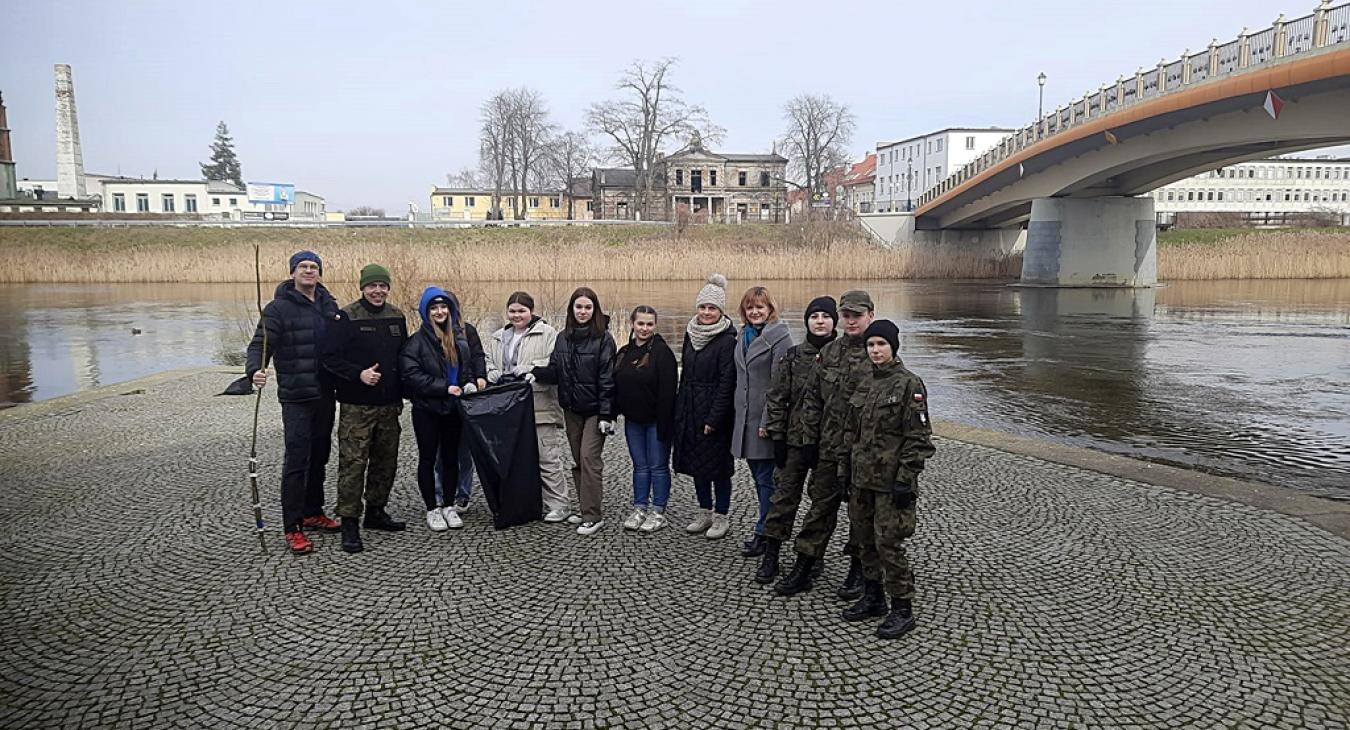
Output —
(762, 470)
(464, 489)
(651, 465)
(705, 488)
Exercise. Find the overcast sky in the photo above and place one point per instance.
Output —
(373, 103)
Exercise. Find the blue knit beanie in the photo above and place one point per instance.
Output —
(299, 256)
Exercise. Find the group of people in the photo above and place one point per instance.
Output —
(841, 411)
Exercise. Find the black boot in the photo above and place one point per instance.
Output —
(768, 565)
(871, 605)
(899, 621)
(351, 535)
(378, 519)
(799, 579)
(753, 547)
(852, 589)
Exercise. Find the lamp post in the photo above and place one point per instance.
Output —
(1040, 102)
(909, 184)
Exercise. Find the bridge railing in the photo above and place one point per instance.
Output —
(1326, 26)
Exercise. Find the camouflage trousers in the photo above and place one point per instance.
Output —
(788, 481)
(881, 529)
(826, 493)
(367, 456)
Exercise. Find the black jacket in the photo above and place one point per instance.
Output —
(477, 356)
(707, 390)
(646, 394)
(582, 365)
(296, 329)
(360, 338)
(422, 366)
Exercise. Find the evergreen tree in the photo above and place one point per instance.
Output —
(224, 164)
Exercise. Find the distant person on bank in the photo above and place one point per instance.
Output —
(582, 366)
(764, 339)
(525, 343)
(437, 369)
(645, 379)
(296, 322)
(703, 408)
(362, 357)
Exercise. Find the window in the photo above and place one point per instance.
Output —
(939, 172)
(679, 177)
(764, 179)
(939, 145)
(215, 202)
(1170, 195)
(468, 201)
(590, 206)
(712, 177)
(166, 202)
(1211, 195)
(970, 142)
(554, 203)
(119, 203)
(448, 201)
(764, 211)
(190, 203)
(142, 203)
(1190, 195)
(234, 201)
(534, 202)
(740, 178)
(1220, 195)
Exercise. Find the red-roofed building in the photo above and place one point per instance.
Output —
(857, 189)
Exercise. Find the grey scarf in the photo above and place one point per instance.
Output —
(699, 335)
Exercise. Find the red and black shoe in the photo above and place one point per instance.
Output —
(321, 522)
(299, 544)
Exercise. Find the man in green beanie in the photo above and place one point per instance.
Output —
(362, 354)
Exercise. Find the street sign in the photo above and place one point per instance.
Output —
(271, 193)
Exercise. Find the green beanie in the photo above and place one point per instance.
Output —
(373, 273)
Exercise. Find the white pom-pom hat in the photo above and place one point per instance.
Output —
(714, 292)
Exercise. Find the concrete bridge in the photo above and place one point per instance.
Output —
(1072, 178)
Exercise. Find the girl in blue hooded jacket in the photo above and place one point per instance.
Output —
(437, 369)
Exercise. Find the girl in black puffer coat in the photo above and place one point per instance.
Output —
(437, 367)
(582, 365)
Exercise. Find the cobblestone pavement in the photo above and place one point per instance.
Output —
(135, 595)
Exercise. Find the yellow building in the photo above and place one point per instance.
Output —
(465, 204)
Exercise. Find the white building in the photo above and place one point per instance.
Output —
(1264, 192)
(909, 168)
(209, 199)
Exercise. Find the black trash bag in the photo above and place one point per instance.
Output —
(499, 424)
(242, 386)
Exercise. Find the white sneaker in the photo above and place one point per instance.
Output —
(634, 520)
(720, 526)
(654, 522)
(590, 528)
(574, 519)
(558, 515)
(436, 520)
(452, 519)
(700, 523)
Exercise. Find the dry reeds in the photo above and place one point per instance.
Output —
(1287, 254)
(630, 254)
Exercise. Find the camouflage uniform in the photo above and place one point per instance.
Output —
(843, 364)
(891, 438)
(793, 374)
(368, 421)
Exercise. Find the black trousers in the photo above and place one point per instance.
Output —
(436, 435)
(308, 429)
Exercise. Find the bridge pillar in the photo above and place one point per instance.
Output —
(1091, 242)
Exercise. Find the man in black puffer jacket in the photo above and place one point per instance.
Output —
(297, 321)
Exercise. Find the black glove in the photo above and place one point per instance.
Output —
(903, 495)
(810, 456)
(780, 448)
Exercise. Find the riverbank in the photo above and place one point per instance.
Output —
(1138, 591)
(1208, 254)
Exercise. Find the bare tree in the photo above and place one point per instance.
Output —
(818, 133)
(366, 211)
(530, 135)
(649, 112)
(467, 178)
(571, 156)
(495, 142)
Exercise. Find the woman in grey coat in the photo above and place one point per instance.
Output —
(764, 340)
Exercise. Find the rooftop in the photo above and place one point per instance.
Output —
(948, 130)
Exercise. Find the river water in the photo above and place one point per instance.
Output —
(1249, 379)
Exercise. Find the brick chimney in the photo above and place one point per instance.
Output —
(8, 180)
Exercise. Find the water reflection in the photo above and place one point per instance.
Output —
(1248, 378)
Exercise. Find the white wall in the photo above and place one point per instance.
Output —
(1265, 186)
(909, 168)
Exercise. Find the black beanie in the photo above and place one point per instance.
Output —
(821, 304)
(886, 330)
